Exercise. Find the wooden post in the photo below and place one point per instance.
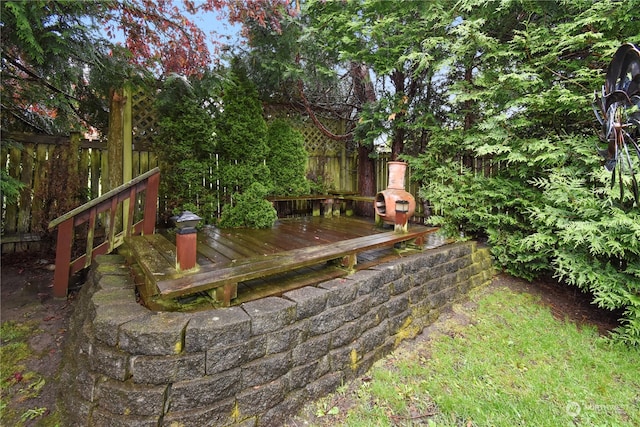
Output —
(127, 150)
(186, 250)
(150, 204)
(350, 261)
(328, 208)
(73, 178)
(25, 200)
(40, 185)
(63, 258)
(115, 140)
(11, 214)
(74, 159)
(226, 293)
(115, 145)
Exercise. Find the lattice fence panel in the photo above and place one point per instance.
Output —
(144, 120)
(145, 126)
(316, 143)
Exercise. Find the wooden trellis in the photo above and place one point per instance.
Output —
(315, 142)
(145, 125)
(144, 120)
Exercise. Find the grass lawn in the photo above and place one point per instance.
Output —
(18, 384)
(501, 360)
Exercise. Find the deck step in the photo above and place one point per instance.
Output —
(154, 254)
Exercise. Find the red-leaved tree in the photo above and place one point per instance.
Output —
(161, 36)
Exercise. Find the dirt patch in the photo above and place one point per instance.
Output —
(565, 301)
(26, 296)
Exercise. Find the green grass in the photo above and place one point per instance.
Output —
(514, 365)
(17, 383)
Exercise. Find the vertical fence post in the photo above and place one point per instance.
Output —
(115, 147)
(127, 151)
(63, 258)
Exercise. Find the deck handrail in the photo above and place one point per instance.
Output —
(88, 212)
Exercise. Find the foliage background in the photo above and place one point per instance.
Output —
(216, 149)
(546, 206)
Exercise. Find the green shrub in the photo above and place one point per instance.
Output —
(563, 220)
(545, 205)
(591, 243)
(249, 209)
(287, 159)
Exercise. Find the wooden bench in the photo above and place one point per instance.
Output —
(335, 204)
(221, 282)
(316, 201)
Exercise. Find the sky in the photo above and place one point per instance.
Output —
(210, 23)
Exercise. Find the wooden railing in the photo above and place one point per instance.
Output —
(123, 196)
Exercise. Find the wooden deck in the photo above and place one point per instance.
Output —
(292, 254)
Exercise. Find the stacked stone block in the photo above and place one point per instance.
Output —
(249, 365)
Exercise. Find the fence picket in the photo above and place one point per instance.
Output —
(40, 191)
(95, 160)
(24, 206)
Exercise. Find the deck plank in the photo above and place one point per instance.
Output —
(146, 255)
(316, 233)
(208, 255)
(352, 227)
(244, 248)
(293, 233)
(256, 241)
(213, 238)
(280, 240)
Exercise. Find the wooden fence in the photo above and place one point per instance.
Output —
(62, 173)
(58, 174)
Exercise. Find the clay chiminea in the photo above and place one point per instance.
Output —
(385, 202)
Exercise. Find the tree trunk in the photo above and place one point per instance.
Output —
(397, 143)
(364, 92)
(366, 180)
(469, 115)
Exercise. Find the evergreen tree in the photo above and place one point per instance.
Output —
(522, 77)
(243, 150)
(185, 146)
(287, 160)
(242, 134)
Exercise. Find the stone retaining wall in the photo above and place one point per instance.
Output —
(255, 364)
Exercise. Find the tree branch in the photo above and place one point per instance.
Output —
(38, 78)
(314, 119)
(23, 119)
